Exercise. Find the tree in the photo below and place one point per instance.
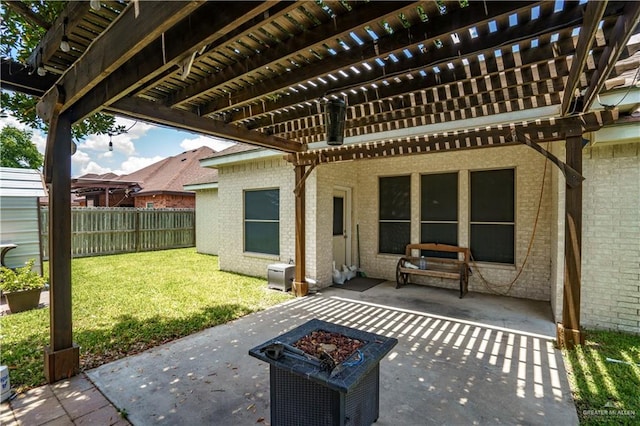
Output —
(23, 24)
(17, 150)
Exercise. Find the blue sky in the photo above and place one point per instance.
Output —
(142, 145)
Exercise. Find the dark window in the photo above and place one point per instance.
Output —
(439, 211)
(394, 230)
(338, 216)
(493, 216)
(262, 221)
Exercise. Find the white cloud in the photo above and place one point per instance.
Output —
(135, 129)
(214, 143)
(133, 164)
(93, 167)
(82, 161)
(12, 121)
(80, 158)
(121, 143)
(39, 140)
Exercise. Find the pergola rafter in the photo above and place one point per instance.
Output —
(625, 25)
(501, 135)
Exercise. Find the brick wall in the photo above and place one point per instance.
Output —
(117, 199)
(232, 181)
(329, 177)
(611, 238)
(166, 201)
(533, 282)
(362, 179)
(207, 223)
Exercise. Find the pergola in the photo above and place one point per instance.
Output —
(417, 77)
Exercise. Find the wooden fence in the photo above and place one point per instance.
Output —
(97, 231)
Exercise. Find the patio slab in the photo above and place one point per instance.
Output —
(481, 359)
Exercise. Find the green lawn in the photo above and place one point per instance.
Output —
(605, 392)
(124, 304)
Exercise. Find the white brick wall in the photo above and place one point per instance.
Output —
(329, 177)
(533, 282)
(611, 238)
(232, 181)
(362, 177)
(207, 221)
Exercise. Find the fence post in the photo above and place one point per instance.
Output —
(137, 232)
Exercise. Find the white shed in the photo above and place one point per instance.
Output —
(19, 215)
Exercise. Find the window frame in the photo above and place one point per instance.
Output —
(455, 222)
(512, 223)
(245, 235)
(381, 221)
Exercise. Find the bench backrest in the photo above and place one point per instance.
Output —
(439, 247)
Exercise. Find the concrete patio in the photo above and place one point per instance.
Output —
(478, 360)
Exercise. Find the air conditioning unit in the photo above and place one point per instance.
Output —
(280, 276)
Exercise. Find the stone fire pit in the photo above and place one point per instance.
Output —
(313, 389)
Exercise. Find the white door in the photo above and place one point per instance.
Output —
(341, 227)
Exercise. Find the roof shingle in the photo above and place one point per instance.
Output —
(170, 174)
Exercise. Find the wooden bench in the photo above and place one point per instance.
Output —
(455, 269)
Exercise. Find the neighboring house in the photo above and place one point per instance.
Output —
(104, 190)
(19, 215)
(159, 185)
(364, 212)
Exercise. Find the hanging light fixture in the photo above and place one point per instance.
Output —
(64, 44)
(335, 111)
(41, 70)
(95, 4)
(110, 143)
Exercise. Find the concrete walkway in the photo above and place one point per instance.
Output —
(478, 360)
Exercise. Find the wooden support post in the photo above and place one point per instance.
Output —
(300, 286)
(62, 356)
(569, 333)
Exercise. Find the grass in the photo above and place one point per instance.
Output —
(124, 304)
(605, 392)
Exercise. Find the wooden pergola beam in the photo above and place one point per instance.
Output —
(542, 56)
(50, 43)
(271, 57)
(502, 135)
(394, 43)
(180, 119)
(592, 17)
(617, 43)
(569, 333)
(19, 78)
(62, 356)
(137, 26)
(419, 105)
(165, 53)
(300, 286)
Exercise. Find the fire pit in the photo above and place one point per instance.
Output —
(324, 374)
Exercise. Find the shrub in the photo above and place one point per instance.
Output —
(23, 278)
